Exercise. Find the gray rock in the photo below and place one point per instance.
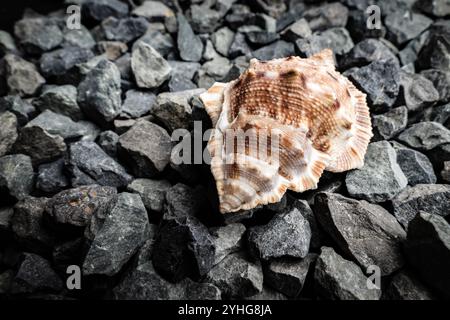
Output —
(112, 49)
(37, 35)
(6, 214)
(35, 274)
(152, 192)
(431, 198)
(77, 38)
(204, 19)
(308, 214)
(217, 68)
(183, 247)
(146, 148)
(125, 29)
(364, 231)
(278, 49)
(338, 39)
(16, 175)
(77, 206)
(51, 177)
(326, 16)
(40, 145)
(403, 26)
(102, 9)
(21, 108)
(239, 46)
(60, 99)
(299, 29)
(439, 114)
(381, 178)
(445, 173)
(340, 279)
(173, 109)
(227, 239)
(182, 201)
(441, 82)
(123, 232)
(391, 123)
(425, 135)
(380, 80)
(428, 250)
(222, 40)
(415, 165)
(89, 164)
(8, 132)
(137, 103)
(405, 286)
(260, 38)
(438, 8)
(190, 290)
(27, 224)
(124, 65)
(108, 140)
(158, 40)
(190, 46)
(365, 52)
(288, 277)
(7, 44)
(153, 11)
(416, 91)
(237, 277)
(286, 235)
(22, 77)
(99, 92)
(59, 62)
(149, 67)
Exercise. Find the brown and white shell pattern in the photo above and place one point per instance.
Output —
(321, 119)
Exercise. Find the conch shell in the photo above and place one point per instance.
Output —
(321, 121)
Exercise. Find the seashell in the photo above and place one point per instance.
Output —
(318, 117)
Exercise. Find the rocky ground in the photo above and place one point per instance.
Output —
(87, 170)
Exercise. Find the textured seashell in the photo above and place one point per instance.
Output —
(321, 121)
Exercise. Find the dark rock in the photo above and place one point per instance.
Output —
(8, 132)
(137, 103)
(237, 277)
(338, 39)
(227, 239)
(190, 290)
(279, 49)
(267, 294)
(365, 52)
(152, 192)
(405, 286)
(21, 108)
(307, 213)
(51, 177)
(124, 65)
(425, 135)
(381, 178)
(189, 44)
(357, 25)
(239, 46)
(183, 247)
(146, 148)
(182, 201)
(380, 80)
(415, 165)
(36, 274)
(239, 14)
(340, 279)
(60, 99)
(288, 277)
(124, 30)
(286, 235)
(37, 35)
(149, 67)
(99, 92)
(431, 198)
(27, 223)
(125, 229)
(441, 82)
(16, 175)
(260, 38)
(108, 140)
(435, 53)
(364, 231)
(404, 26)
(299, 29)
(416, 91)
(6, 214)
(445, 173)
(22, 77)
(428, 250)
(438, 8)
(408, 55)
(77, 206)
(391, 123)
(89, 164)
(102, 9)
(326, 16)
(222, 40)
(59, 62)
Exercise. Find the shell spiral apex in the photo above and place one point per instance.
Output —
(280, 125)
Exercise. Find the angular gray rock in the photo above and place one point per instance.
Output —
(102, 9)
(405, 286)
(441, 82)
(222, 40)
(364, 231)
(404, 26)
(37, 35)
(6, 214)
(365, 52)
(124, 30)
(125, 229)
(108, 140)
(288, 277)
(99, 92)
(22, 77)
(381, 178)
(182, 201)
(278, 49)
(326, 16)
(89, 164)
(6, 43)
(239, 46)
(150, 69)
(227, 239)
(190, 46)
(8, 132)
(145, 148)
(137, 103)
(237, 277)
(16, 175)
(428, 250)
(287, 235)
(58, 63)
(60, 99)
(416, 91)
(153, 11)
(445, 173)
(337, 39)
(21, 108)
(152, 192)
(425, 135)
(389, 124)
(51, 177)
(431, 198)
(340, 279)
